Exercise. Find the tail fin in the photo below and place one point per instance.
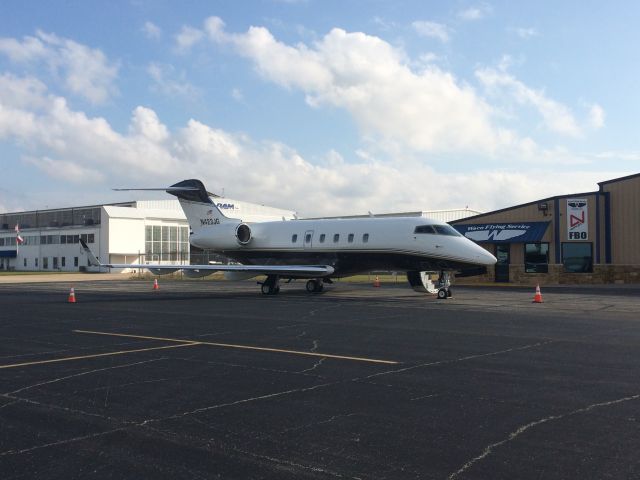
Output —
(201, 212)
(196, 202)
(191, 190)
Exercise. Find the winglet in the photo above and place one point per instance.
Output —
(93, 261)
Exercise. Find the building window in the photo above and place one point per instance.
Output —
(55, 263)
(294, 238)
(75, 261)
(336, 238)
(577, 257)
(365, 238)
(536, 257)
(25, 262)
(36, 263)
(91, 238)
(64, 261)
(45, 262)
(350, 238)
(322, 237)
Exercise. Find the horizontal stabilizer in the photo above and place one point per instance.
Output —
(192, 190)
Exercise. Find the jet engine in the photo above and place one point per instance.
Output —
(243, 234)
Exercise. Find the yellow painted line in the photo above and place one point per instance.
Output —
(244, 347)
(95, 355)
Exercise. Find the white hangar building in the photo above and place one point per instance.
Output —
(132, 232)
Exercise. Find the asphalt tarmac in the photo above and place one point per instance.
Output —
(214, 380)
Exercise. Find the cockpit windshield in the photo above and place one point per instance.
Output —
(437, 230)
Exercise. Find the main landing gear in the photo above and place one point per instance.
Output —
(271, 286)
(315, 285)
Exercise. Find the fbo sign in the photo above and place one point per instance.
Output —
(577, 219)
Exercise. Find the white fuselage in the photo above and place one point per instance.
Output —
(373, 242)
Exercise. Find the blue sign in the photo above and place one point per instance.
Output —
(504, 232)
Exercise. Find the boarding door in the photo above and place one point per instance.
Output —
(502, 266)
(308, 239)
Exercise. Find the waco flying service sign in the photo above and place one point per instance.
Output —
(577, 219)
(504, 232)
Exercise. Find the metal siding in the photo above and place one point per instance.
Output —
(625, 220)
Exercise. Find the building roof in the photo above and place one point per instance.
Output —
(619, 179)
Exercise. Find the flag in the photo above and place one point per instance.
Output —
(19, 239)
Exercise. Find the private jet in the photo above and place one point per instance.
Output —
(319, 250)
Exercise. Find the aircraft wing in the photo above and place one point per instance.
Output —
(283, 270)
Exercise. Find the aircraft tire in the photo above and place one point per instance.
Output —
(442, 294)
(312, 286)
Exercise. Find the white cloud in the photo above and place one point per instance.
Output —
(86, 72)
(151, 30)
(47, 129)
(149, 153)
(429, 110)
(65, 170)
(525, 32)
(432, 30)
(596, 116)
(475, 13)
(557, 117)
(187, 38)
(168, 82)
(237, 95)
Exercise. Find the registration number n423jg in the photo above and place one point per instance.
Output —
(209, 221)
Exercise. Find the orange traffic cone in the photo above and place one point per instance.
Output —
(155, 284)
(72, 296)
(376, 282)
(538, 297)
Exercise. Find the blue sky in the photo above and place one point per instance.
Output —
(324, 107)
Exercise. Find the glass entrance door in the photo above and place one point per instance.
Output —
(502, 266)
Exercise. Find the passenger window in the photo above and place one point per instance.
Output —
(424, 229)
(307, 238)
(365, 238)
(336, 238)
(322, 237)
(294, 238)
(351, 238)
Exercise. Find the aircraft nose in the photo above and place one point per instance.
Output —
(486, 258)
(481, 256)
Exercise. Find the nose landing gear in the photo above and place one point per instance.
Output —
(444, 285)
